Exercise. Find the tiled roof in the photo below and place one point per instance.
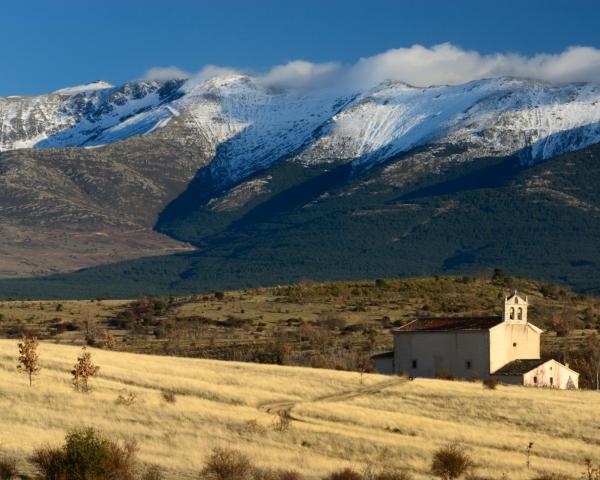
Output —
(520, 367)
(449, 324)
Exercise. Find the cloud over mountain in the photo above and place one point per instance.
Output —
(420, 66)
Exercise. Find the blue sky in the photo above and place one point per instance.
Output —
(50, 44)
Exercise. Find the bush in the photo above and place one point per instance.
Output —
(444, 375)
(226, 464)
(169, 396)
(260, 474)
(490, 383)
(8, 467)
(391, 475)
(49, 463)
(153, 472)
(551, 476)
(450, 462)
(346, 474)
(86, 455)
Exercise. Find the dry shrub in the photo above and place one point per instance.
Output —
(551, 476)
(8, 467)
(265, 474)
(169, 396)
(283, 421)
(122, 460)
(444, 375)
(450, 462)
(49, 463)
(345, 474)
(254, 428)
(227, 464)
(490, 383)
(126, 400)
(392, 475)
(153, 472)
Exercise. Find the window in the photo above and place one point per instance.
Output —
(469, 364)
(535, 380)
(520, 314)
(514, 344)
(414, 364)
(512, 313)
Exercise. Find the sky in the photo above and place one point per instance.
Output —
(48, 45)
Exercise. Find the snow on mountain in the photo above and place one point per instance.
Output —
(88, 87)
(248, 125)
(251, 126)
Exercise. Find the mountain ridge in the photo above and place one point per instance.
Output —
(206, 162)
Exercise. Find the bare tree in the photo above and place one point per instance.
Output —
(28, 357)
(83, 370)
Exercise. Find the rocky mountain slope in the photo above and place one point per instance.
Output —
(97, 173)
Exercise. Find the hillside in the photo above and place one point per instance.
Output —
(331, 324)
(391, 421)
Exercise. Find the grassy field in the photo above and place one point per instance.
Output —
(337, 421)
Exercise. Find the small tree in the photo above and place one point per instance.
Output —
(109, 340)
(83, 370)
(28, 357)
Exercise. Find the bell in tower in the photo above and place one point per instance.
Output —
(515, 308)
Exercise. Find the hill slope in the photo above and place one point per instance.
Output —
(339, 422)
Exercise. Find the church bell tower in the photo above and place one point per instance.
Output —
(515, 309)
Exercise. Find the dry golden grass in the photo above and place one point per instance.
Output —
(402, 423)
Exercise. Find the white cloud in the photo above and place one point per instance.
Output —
(448, 64)
(420, 66)
(211, 71)
(165, 73)
(301, 74)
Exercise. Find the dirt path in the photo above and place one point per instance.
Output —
(288, 405)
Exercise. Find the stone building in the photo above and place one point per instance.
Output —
(506, 347)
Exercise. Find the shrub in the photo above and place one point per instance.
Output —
(346, 474)
(261, 474)
(551, 476)
(391, 475)
(169, 396)
(444, 375)
(153, 472)
(86, 455)
(49, 463)
(8, 467)
(450, 462)
(126, 400)
(283, 421)
(226, 464)
(219, 295)
(490, 383)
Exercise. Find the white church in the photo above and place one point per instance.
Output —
(506, 347)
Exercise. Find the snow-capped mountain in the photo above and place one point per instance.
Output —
(248, 125)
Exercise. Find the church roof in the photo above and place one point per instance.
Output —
(520, 367)
(440, 324)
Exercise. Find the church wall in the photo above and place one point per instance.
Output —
(512, 341)
(436, 352)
